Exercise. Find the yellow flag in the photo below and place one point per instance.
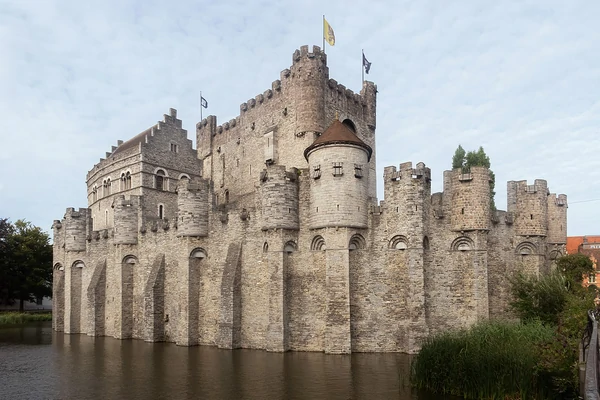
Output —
(328, 34)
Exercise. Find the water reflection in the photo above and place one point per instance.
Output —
(81, 367)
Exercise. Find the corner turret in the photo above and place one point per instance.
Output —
(192, 208)
(338, 162)
(279, 193)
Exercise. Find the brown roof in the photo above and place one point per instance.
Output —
(133, 142)
(338, 133)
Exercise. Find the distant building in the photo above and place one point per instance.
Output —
(590, 246)
(269, 235)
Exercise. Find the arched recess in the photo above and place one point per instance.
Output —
(58, 298)
(196, 266)
(318, 243)
(398, 242)
(357, 242)
(526, 248)
(265, 247)
(74, 325)
(350, 125)
(127, 290)
(290, 247)
(463, 243)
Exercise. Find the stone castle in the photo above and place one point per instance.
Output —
(269, 234)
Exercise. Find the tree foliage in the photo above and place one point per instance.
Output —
(25, 262)
(575, 267)
(558, 300)
(466, 160)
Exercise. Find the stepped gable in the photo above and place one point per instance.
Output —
(338, 133)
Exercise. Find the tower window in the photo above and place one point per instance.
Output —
(161, 210)
(159, 180)
(316, 172)
(127, 180)
(338, 169)
(358, 171)
(174, 148)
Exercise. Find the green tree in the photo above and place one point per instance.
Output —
(575, 267)
(458, 160)
(6, 231)
(26, 263)
(466, 160)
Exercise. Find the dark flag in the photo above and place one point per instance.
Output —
(366, 64)
(203, 102)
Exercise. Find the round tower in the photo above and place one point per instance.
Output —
(192, 208)
(338, 162)
(470, 203)
(126, 219)
(279, 193)
(309, 75)
(529, 205)
(75, 224)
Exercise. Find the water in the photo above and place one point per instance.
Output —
(37, 363)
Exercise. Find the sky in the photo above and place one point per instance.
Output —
(520, 78)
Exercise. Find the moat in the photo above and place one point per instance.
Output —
(37, 363)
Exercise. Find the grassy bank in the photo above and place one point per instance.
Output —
(492, 360)
(19, 318)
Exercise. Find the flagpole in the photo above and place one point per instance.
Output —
(201, 105)
(362, 66)
(323, 33)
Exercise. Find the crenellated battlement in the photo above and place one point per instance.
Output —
(539, 185)
(303, 53)
(406, 172)
(72, 214)
(558, 200)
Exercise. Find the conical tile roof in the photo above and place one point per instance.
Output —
(338, 133)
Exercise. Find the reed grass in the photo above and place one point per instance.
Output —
(492, 360)
(19, 318)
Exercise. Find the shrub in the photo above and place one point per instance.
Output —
(492, 360)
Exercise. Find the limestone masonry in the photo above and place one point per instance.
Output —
(270, 236)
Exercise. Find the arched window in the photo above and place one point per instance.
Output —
(129, 259)
(357, 242)
(350, 125)
(526, 248)
(290, 247)
(198, 253)
(425, 243)
(108, 187)
(318, 243)
(463, 243)
(78, 264)
(106, 218)
(184, 176)
(161, 211)
(265, 247)
(159, 180)
(94, 194)
(398, 242)
(127, 180)
(58, 267)
(122, 181)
